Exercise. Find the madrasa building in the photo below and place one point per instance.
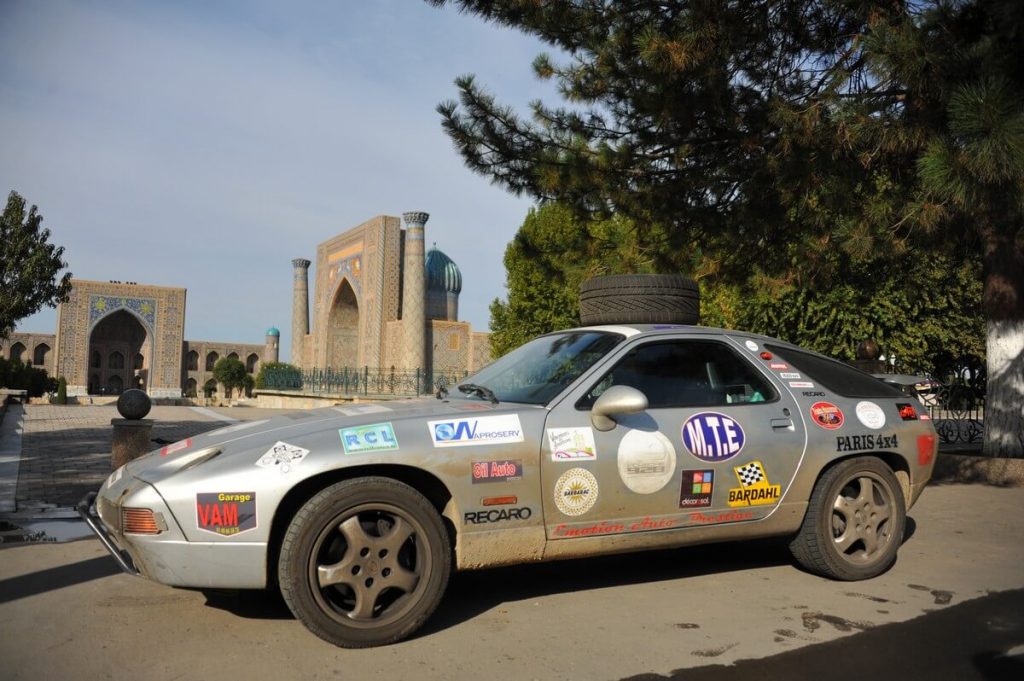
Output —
(380, 301)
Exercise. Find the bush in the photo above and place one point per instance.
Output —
(281, 375)
(62, 390)
(14, 374)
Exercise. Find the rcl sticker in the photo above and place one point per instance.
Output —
(711, 436)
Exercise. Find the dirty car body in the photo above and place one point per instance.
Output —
(584, 442)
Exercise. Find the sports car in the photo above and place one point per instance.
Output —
(595, 440)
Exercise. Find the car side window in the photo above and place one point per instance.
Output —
(685, 373)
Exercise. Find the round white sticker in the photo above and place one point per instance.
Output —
(576, 491)
(871, 415)
(647, 461)
(751, 345)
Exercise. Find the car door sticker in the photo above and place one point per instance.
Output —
(696, 488)
(572, 444)
(754, 489)
(576, 491)
(713, 437)
(647, 461)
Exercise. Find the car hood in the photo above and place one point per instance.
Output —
(241, 442)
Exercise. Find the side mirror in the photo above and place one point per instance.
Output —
(615, 401)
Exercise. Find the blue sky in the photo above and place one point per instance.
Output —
(206, 144)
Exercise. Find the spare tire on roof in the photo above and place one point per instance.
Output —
(640, 299)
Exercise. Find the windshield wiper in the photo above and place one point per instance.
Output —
(479, 390)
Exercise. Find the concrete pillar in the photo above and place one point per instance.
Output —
(300, 308)
(414, 338)
(131, 440)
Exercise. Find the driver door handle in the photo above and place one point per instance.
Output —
(782, 423)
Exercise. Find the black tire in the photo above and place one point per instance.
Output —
(640, 299)
(854, 522)
(365, 562)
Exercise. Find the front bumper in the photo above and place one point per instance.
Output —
(87, 509)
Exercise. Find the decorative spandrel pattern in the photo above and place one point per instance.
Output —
(100, 306)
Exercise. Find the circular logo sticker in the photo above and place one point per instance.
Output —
(576, 491)
(647, 461)
(827, 415)
(751, 345)
(711, 436)
(871, 415)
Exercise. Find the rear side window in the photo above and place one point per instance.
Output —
(840, 378)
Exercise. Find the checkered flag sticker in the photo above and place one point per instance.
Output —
(751, 475)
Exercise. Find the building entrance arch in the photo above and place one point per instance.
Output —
(124, 348)
(343, 328)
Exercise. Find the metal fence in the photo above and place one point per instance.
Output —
(365, 381)
(954, 394)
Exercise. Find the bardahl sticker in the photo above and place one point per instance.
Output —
(696, 488)
(497, 471)
(282, 456)
(486, 430)
(376, 437)
(226, 513)
(572, 444)
(576, 491)
(711, 436)
(754, 489)
(647, 461)
(827, 415)
(871, 415)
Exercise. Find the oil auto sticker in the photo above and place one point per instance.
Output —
(497, 471)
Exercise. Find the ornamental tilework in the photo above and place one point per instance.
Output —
(101, 306)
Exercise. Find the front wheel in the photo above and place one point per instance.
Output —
(854, 522)
(365, 562)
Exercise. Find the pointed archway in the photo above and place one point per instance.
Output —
(343, 329)
(116, 345)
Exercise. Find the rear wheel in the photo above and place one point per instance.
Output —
(854, 522)
(365, 562)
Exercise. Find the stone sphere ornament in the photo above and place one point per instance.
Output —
(134, 404)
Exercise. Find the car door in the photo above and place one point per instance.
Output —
(718, 442)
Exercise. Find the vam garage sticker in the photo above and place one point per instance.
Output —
(486, 430)
(711, 436)
(754, 489)
(226, 513)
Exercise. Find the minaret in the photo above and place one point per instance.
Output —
(270, 345)
(300, 308)
(414, 330)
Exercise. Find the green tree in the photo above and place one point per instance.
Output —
(29, 265)
(230, 373)
(283, 373)
(767, 137)
(21, 376)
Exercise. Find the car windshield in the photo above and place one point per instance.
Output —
(538, 371)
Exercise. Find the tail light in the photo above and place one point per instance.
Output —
(927, 448)
(139, 521)
(907, 412)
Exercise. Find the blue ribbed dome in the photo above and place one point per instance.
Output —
(442, 273)
(272, 331)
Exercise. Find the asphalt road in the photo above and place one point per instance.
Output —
(951, 608)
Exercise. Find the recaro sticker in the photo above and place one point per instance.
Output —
(226, 513)
(754, 489)
(572, 444)
(647, 461)
(696, 489)
(827, 415)
(378, 437)
(711, 436)
(871, 415)
(486, 430)
(282, 456)
(576, 491)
